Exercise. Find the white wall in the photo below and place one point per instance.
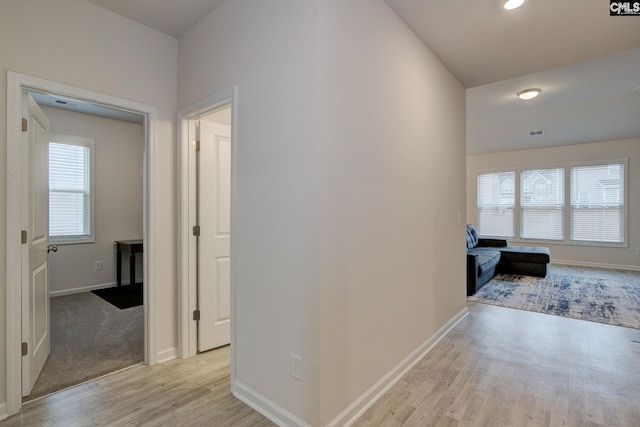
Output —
(580, 255)
(269, 50)
(350, 175)
(77, 43)
(118, 151)
(392, 180)
(359, 165)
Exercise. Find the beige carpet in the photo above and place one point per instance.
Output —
(89, 338)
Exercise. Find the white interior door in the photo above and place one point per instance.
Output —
(35, 286)
(214, 212)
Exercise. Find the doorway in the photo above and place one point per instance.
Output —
(213, 229)
(95, 198)
(16, 256)
(219, 109)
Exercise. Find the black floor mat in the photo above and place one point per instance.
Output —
(122, 297)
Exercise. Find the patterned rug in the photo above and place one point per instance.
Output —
(615, 302)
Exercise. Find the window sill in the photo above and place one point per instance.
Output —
(71, 241)
(568, 243)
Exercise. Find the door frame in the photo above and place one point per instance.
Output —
(187, 332)
(16, 83)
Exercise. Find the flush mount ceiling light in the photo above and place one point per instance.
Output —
(513, 4)
(528, 94)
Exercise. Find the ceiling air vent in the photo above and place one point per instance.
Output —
(536, 132)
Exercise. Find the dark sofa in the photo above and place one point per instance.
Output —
(487, 257)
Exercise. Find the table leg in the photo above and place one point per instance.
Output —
(119, 266)
(132, 268)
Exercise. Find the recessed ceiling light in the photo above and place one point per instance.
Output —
(513, 4)
(528, 94)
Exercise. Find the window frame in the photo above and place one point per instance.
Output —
(90, 144)
(517, 226)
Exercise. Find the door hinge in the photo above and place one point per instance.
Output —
(196, 146)
(196, 314)
(24, 125)
(23, 236)
(196, 230)
(25, 348)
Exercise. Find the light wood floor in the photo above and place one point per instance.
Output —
(497, 367)
(506, 367)
(191, 392)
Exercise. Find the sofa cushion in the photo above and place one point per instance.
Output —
(487, 259)
(523, 268)
(472, 237)
(530, 254)
(492, 243)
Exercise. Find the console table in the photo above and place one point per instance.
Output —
(133, 247)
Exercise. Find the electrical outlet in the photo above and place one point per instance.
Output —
(296, 367)
(98, 265)
(459, 219)
(637, 251)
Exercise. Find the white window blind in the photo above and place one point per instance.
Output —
(597, 203)
(496, 203)
(542, 204)
(70, 188)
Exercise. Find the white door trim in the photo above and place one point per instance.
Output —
(187, 339)
(16, 83)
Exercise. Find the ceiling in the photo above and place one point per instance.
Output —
(481, 42)
(586, 62)
(222, 116)
(172, 17)
(591, 101)
(79, 106)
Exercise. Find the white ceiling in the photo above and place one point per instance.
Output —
(586, 62)
(172, 17)
(222, 116)
(592, 101)
(481, 42)
(79, 106)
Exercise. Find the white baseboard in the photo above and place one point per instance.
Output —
(369, 397)
(596, 265)
(3, 411)
(275, 413)
(72, 291)
(168, 354)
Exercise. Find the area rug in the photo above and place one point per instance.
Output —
(122, 296)
(615, 302)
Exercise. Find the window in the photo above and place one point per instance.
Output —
(70, 189)
(597, 203)
(593, 194)
(496, 203)
(542, 204)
